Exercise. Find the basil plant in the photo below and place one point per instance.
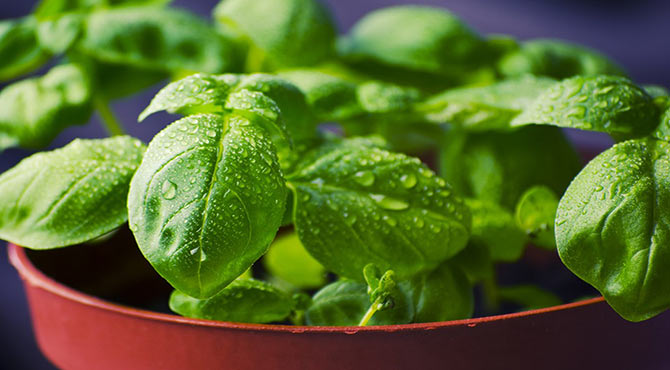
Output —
(344, 226)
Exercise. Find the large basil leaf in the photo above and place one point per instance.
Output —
(34, 111)
(487, 107)
(556, 59)
(283, 33)
(51, 8)
(496, 166)
(288, 260)
(20, 52)
(206, 201)
(443, 294)
(157, 38)
(598, 103)
(613, 227)
(345, 302)
(244, 300)
(69, 195)
(359, 205)
(417, 39)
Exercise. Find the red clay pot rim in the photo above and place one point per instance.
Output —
(31, 275)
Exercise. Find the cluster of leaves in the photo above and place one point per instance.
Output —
(373, 232)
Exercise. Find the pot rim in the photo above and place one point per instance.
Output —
(33, 276)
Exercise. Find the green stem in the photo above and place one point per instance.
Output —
(490, 290)
(108, 118)
(370, 312)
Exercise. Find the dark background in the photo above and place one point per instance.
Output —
(634, 33)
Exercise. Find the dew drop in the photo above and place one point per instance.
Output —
(364, 178)
(390, 220)
(389, 203)
(169, 190)
(408, 180)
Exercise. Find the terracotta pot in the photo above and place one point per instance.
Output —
(79, 331)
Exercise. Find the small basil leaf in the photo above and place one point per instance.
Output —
(300, 123)
(207, 201)
(85, 197)
(345, 302)
(656, 91)
(283, 33)
(529, 297)
(359, 205)
(496, 166)
(487, 107)
(495, 228)
(443, 294)
(288, 260)
(157, 38)
(556, 59)
(612, 227)
(20, 52)
(57, 35)
(416, 38)
(34, 111)
(535, 214)
(331, 98)
(255, 105)
(244, 300)
(195, 91)
(598, 103)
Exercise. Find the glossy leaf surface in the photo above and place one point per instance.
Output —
(358, 205)
(612, 227)
(206, 201)
(69, 195)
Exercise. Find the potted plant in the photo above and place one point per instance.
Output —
(373, 241)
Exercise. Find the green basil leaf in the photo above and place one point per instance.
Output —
(345, 302)
(662, 132)
(34, 111)
(283, 33)
(300, 123)
(416, 38)
(359, 205)
(331, 98)
(206, 201)
(57, 35)
(612, 227)
(113, 81)
(556, 59)
(656, 91)
(256, 105)
(20, 52)
(69, 195)
(443, 294)
(598, 103)
(157, 38)
(288, 260)
(487, 107)
(529, 297)
(498, 167)
(495, 228)
(535, 214)
(244, 300)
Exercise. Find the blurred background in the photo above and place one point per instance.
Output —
(636, 34)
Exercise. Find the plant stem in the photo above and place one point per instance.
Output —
(371, 311)
(490, 290)
(108, 118)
